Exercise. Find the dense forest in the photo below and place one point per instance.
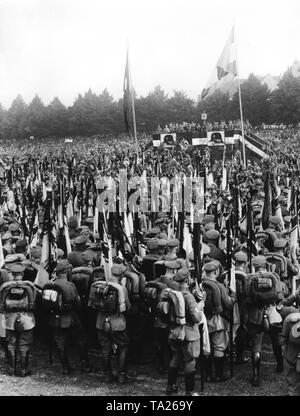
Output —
(93, 114)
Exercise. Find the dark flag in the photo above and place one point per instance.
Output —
(267, 202)
(252, 249)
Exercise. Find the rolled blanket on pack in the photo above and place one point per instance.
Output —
(132, 284)
(177, 299)
(83, 270)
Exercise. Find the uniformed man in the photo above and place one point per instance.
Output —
(241, 270)
(19, 327)
(150, 258)
(73, 227)
(68, 323)
(172, 246)
(187, 349)
(274, 231)
(211, 238)
(217, 307)
(292, 265)
(263, 318)
(80, 243)
(117, 336)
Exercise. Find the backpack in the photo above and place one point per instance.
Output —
(81, 277)
(152, 293)
(280, 263)
(262, 288)
(104, 298)
(213, 301)
(171, 307)
(17, 296)
(54, 300)
(294, 337)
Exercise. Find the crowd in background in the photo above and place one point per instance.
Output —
(52, 184)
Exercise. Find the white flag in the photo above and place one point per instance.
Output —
(225, 71)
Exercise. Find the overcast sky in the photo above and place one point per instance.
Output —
(63, 47)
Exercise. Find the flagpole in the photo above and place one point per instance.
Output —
(240, 98)
(132, 97)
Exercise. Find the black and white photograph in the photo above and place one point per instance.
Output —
(149, 200)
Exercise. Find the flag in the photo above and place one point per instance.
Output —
(224, 178)
(276, 207)
(225, 71)
(106, 254)
(243, 212)
(127, 94)
(1, 254)
(266, 211)
(294, 221)
(42, 278)
(48, 257)
(187, 240)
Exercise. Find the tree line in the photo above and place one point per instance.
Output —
(93, 114)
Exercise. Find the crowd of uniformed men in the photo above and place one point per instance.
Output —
(209, 312)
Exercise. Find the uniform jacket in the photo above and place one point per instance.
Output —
(217, 254)
(217, 322)
(70, 318)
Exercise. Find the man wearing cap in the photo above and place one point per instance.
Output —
(163, 227)
(21, 246)
(15, 230)
(172, 246)
(19, 327)
(274, 231)
(152, 233)
(291, 264)
(241, 270)
(148, 261)
(161, 329)
(68, 323)
(80, 243)
(257, 317)
(72, 226)
(82, 278)
(189, 347)
(32, 265)
(261, 238)
(117, 337)
(211, 237)
(216, 310)
(162, 244)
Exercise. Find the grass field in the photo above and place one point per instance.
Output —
(47, 380)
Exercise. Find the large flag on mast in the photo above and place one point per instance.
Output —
(224, 76)
(226, 68)
(128, 98)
